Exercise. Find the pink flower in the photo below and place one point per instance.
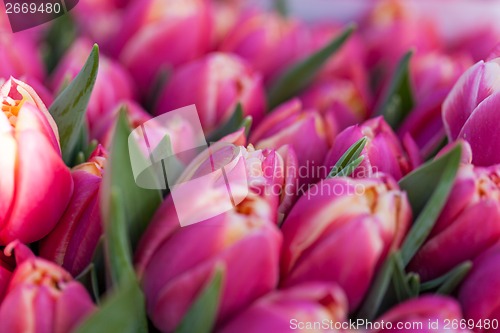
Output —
(456, 236)
(74, 239)
(470, 111)
(423, 314)
(294, 308)
(222, 81)
(479, 293)
(383, 151)
(35, 184)
(341, 230)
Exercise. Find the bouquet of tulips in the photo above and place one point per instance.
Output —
(204, 166)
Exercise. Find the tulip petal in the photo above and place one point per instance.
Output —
(72, 306)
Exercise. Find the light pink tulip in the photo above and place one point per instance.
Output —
(470, 111)
(268, 41)
(456, 236)
(422, 315)
(113, 83)
(74, 239)
(479, 294)
(341, 230)
(159, 35)
(383, 151)
(222, 81)
(302, 129)
(35, 186)
(42, 297)
(294, 308)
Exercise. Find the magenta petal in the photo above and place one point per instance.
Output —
(482, 131)
(71, 308)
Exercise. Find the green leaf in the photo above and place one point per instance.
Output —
(448, 281)
(300, 75)
(70, 106)
(375, 296)
(237, 121)
(398, 101)
(121, 312)
(413, 281)
(281, 7)
(202, 315)
(350, 160)
(428, 188)
(399, 279)
(58, 39)
(140, 204)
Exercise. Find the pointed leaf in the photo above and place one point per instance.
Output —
(398, 100)
(237, 121)
(350, 160)
(413, 281)
(455, 279)
(443, 282)
(399, 279)
(139, 203)
(121, 312)
(70, 106)
(300, 75)
(201, 316)
(428, 188)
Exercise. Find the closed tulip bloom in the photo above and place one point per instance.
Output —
(297, 308)
(222, 81)
(73, 241)
(175, 263)
(422, 315)
(470, 111)
(479, 293)
(434, 75)
(11, 46)
(268, 41)
(383, 152)
(43, 297)
(302, 129)
(35, 185)
(113, 83)
(341, 221)
(456, 237)
(159, 35)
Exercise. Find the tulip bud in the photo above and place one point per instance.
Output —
(434, 74)
(294, 308)
(341, 221)
(159, 35)
(42, 297)
(423, 314)
(73, 241)
(470, 111)
(175, 263)
(268, 41)
(383, 151)
(223, 81)
(11, 47)
(479, 294)
(35, 185)
(302, 129)
(113, 84)
(456, 236)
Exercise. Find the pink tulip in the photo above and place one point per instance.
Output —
(456, 236)
(42, 297)
(302, 129)
(339, 222)
(175, 263)
(293, 309)
(14, 45)
(479, 294)
(159, 35)
(383, 151)
(269, 42)
(73, 241)
(113, 83)
(35, 185)
(470, 111)
(222, 81)
(434, 74)
(422, 315)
